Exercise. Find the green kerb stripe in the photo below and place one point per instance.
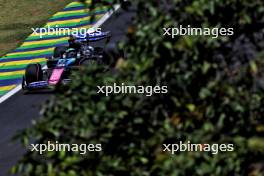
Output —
(28, 55)
(11, 77)
(68, 15)
(18, 66)
(36, 37)
(51, 44)
(73, 24)
(13, 66)
(71, 5)
(2, 92)
(97, 10)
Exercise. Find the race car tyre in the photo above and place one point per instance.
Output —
(33, 73)
(23, 83)
(59, 50)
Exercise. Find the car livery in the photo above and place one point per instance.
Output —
(65, 59)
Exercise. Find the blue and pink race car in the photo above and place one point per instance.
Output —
(66, 59)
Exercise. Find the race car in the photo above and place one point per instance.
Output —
(66, 59)
(80, 44)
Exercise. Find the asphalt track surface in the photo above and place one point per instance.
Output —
(17, 112)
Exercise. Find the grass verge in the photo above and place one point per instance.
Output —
(18, 17)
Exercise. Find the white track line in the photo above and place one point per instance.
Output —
(96, 25)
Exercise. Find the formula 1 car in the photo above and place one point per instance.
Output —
(66, 59)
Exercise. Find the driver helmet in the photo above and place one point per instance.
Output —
(72, 39)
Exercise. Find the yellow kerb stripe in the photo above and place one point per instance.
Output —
(31, 52)
(12, 73)
(7, 87)
(68, 21)
(71, 12)
(45, 41)
(24, 62)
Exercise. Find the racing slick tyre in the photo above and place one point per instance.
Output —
(59, 50)
(33, 73)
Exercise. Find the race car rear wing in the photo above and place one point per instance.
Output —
(99, 36)
(93, 37)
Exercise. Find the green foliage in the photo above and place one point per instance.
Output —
(215, 96)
